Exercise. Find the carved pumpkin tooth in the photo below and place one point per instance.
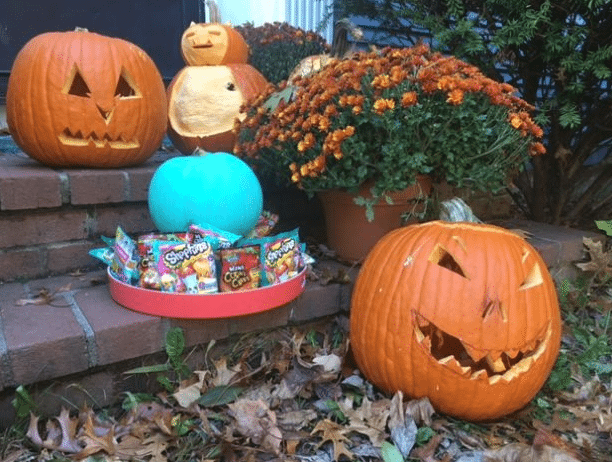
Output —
(451, 361)
(427, 343)
(497, 365)
(529, 347)
(522, 366)
(513, 353)
(475, 353)
(418, 334)
(447, 359)
(479, 374)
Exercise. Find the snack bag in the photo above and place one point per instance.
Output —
(218, 238)
(280, 256)
(240, 268)
(266, 222)
(187, 268)
(104, 254)
(148, 250)
(125, 258)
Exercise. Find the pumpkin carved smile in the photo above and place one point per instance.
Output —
(92, 139)
(476, 363)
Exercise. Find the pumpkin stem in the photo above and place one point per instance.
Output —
(456, 210)
(81, 29)
(341, 47)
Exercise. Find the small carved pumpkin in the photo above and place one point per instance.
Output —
(80, 99)
(210, 44)
(204, 102)
(465, 314)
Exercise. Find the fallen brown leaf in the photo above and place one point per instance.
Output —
(520, 452)
(255, 420)
(333, 432)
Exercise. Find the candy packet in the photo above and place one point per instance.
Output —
(280, 256)
(187, 268)
(124, 264)
(218, 238)
(104, 254)
(240, 268)
(266, 222)
(148, 250)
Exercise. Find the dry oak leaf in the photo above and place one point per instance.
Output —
(187, 395)
(96, 439)
(60, 433)
(255, 420)
(521, 452)
(335, 433)
(601, 262)
(369, 419)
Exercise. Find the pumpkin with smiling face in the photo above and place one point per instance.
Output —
(465, 314)
(211, 44)
(80, 99)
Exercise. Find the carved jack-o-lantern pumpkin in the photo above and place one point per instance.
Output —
(465, 314)
(204, 102)
(82, 99)
(210, 44)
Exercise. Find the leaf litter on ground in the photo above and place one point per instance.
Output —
(294, 394)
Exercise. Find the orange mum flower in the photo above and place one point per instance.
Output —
(516, 121)
(409, 99)
(537, 149)
(383, 104)
(380, 82)
(455, 97)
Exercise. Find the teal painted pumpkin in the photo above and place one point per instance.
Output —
(215, 188)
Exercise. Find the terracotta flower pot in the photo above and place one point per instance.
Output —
(350, 234)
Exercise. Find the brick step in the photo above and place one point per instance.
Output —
(50, 218)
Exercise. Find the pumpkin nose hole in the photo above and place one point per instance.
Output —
(442, 257)
(106, 115)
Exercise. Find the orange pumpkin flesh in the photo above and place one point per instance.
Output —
(85, 100)
(213, 44)
(464, 314)
(204, 101)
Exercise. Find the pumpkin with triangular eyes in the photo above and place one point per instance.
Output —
(80, 99)
(465, 314)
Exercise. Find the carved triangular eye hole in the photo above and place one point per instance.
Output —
(442, 257)
(126, 87)
(533, 279)
(76, 85)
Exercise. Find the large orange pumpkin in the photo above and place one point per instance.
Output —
(204, 102)
(465, 314)
(209, 44)
(80, 99)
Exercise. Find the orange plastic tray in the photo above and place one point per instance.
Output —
(209, 306)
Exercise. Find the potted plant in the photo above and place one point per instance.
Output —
(373, 124)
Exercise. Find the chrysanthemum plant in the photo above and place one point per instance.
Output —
(384, 117)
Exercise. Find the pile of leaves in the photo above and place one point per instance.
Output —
(294, 394)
